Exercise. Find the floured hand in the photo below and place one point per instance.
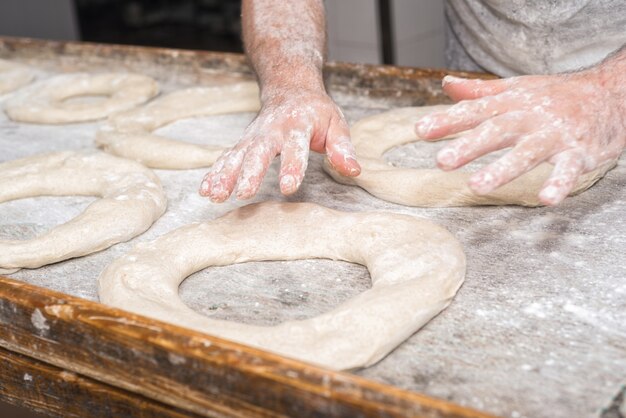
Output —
(574, 121)
(288, 124)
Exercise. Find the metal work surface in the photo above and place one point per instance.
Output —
(537, 330)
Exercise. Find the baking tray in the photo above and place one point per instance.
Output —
(536, 330)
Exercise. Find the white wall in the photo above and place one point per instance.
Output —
(419, 32)
(48, 19)
(352, 31)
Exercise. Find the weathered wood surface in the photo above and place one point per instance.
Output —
(195, 373)
(404, 86)
(94, 360)
(543, 290)
(53, 391)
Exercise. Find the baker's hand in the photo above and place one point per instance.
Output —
(287, 124)
(572, 121)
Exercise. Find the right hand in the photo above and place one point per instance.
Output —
(288, 124)
(574, 121)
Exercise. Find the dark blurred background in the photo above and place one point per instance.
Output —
(190, 24)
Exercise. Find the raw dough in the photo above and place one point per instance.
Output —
(375, 135)
(13, 76)
(131, 199)
(44, 101)
(130, 134)
(416, 268)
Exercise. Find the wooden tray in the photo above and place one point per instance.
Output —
(69, 357)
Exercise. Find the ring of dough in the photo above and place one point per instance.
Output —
(416, 268)
(131, 199)
(44, 101)
(374, 135)
(13, 76)
(130, 134)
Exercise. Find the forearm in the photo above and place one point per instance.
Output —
(285, 43)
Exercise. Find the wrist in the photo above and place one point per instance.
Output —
(288, 79)
(608, 75)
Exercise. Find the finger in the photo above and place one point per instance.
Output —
(219, 182)
(460, 117)
(526, 155)
(257, 160)
(493, 134)
(294, 159)
(464, 89)
(568, 166)
(340, 151)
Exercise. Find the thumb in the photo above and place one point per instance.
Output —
(339, 149)
(467, 89)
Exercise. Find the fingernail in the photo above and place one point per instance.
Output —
(447, 157)
(354, 171)
(451, 79)
(204, 186)
(551, 195)
(218, 193)
(244, 193)
(352, 166)
(482, 183)
(424, 126)
(288, 184)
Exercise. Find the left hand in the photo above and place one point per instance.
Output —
(569, 120)
(288, 124)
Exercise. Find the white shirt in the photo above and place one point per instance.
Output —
(513, 37)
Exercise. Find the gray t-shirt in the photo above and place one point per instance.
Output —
(514, 37)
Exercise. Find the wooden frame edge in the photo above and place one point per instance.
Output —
(190, 371)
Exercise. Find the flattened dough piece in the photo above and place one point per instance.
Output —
(130, 134)
(45, 101)
(416, 268)
(374, 135)
(13, 76)
(131, 199)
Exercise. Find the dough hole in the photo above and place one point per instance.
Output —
(131, 134)
(270, 292)
(217, 130)
(84, 99)
(33, 216)
(412, 155)
(65, 98)
(421, 155)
